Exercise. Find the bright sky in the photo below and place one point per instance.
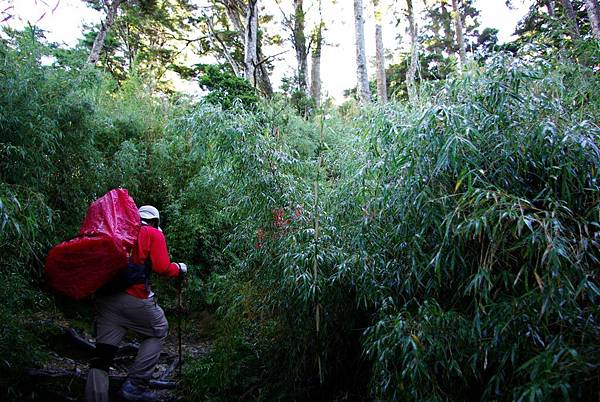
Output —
(63, 20)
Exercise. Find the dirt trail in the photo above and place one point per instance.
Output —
(62, 377)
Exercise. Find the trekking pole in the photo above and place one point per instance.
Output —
(179, 312)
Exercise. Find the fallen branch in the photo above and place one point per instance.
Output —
(127, 349)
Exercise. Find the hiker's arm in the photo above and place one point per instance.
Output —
(161, 264)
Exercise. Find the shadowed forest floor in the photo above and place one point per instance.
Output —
(62, 376)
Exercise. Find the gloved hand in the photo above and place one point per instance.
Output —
(182, 269)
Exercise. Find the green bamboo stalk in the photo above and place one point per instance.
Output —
(316, 251)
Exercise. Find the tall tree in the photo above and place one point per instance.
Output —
(458, 28)
(111, 8)
(156, 33)
(439, 34)
(414, 53)
(251, 42)
(299, 40)
(364, 93)
(315, 73)
(593, 11)
(379, 54)
(148, 35)
(440, 19)
(243, 16)
(295, 23)
(571, 17)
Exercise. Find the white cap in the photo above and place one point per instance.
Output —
(149, 212)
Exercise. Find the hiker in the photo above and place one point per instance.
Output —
(136, 309)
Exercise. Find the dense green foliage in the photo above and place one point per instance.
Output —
(225, 88)
(462, 233)
(148, 37)
(68, 136)
(481, 240)
(446, 250)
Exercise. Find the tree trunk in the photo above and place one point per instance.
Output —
(446, 24)
(593, 12)
(364, 93)
(414, 55)
(379, 55)
(111, 15)
(462, 53)
(234, 9)
(243, 15)
(251, 42)
(300, 45)
(262, 76)
(315, 74)
(571, 17)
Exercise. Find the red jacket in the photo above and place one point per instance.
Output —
(151, 242)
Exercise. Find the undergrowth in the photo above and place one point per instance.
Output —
(443, 250)
(455, 242)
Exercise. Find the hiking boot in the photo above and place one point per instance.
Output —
(133, 392)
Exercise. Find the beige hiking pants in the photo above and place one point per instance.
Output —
(119, 312)
(115, 315)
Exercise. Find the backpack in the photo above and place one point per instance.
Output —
(133, 274)
(81, 266)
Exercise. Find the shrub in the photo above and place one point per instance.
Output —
(225, 88)
(465, 245)
(20, 341)
(478, 240)
(446, 250)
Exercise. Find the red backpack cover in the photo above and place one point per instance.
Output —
(78, 267)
